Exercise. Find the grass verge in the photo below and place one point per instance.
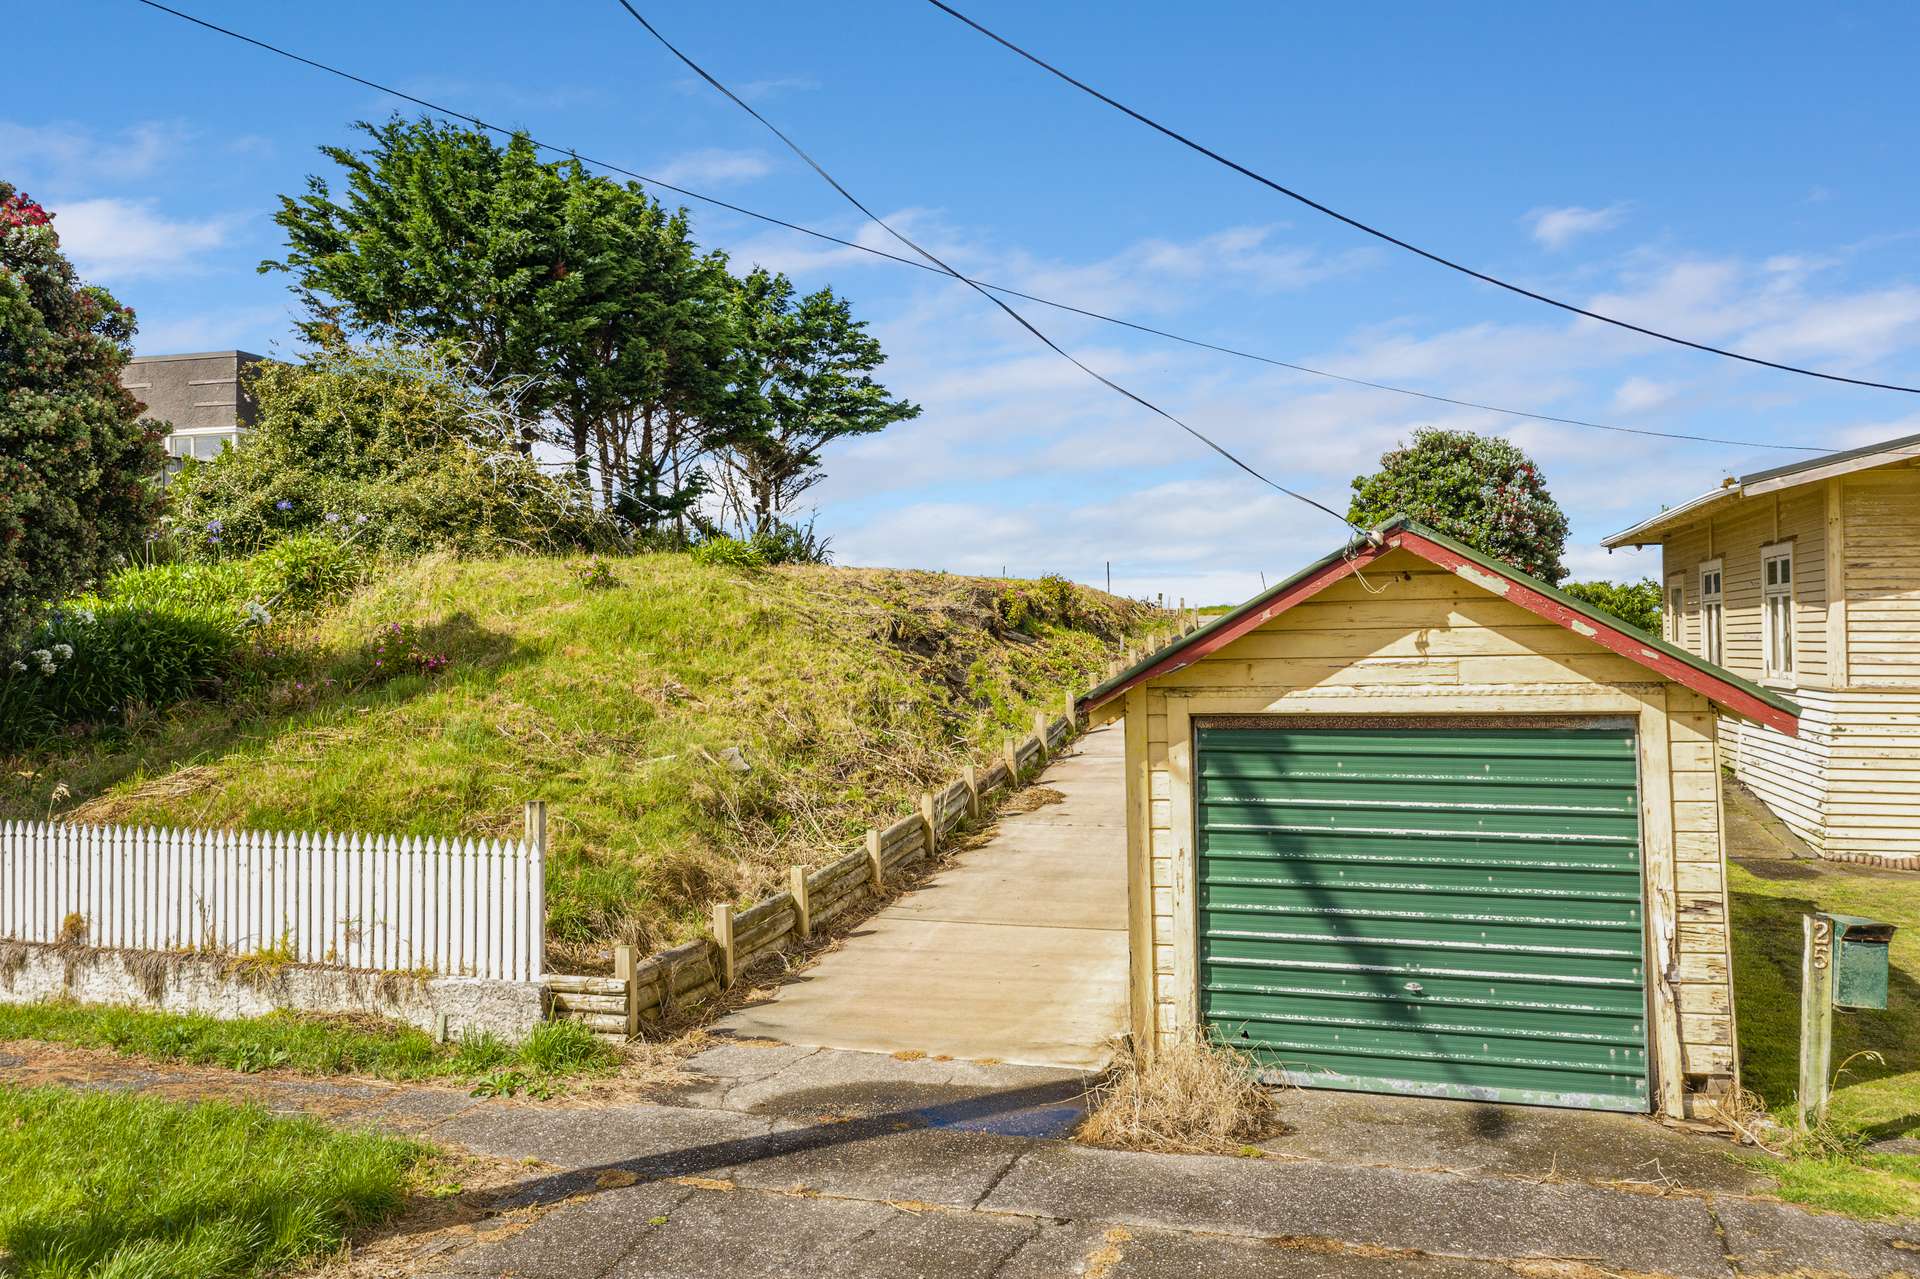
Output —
(1873, 1099)
(321, 1044)
(109, 1185)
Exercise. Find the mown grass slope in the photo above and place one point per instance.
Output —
(695, 728)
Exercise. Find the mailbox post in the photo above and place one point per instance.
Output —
(1844, 965)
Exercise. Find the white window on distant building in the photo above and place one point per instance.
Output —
(1776, 610)
(200, 445)
(1711, 614)
(1676, 618)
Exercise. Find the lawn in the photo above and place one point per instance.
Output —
(319, 1045)
(1873, 1099)
(99, 1184)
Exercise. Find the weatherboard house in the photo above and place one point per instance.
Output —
(1807, 578)
(1411, 821)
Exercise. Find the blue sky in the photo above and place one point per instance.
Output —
(1741, 174)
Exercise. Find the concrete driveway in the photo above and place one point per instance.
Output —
(1016, 951)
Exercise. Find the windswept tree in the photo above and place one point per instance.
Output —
(805, 371)
(78, 465)
(583, 290)
(1481, 490)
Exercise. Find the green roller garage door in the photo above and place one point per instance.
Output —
(1439, 911)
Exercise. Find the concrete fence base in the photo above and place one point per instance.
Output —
(224, 987)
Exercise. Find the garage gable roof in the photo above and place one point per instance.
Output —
(1739, 696)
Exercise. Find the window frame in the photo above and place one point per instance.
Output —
(1713, 611)
(1777, 593)
(1676, 610)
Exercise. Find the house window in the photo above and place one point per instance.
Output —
(1676, 612)
(1776, 605)
(1710, 613)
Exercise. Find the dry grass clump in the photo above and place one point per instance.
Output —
(1196, 1098)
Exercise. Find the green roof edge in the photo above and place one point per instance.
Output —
(1488, 562)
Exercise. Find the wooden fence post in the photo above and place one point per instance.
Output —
(1040, 731)
(623, 971)
(802, 910)
(873, 861)
(971, 776)
(1013, 765)
(723, 937)
(927, 819)
(537, 886)
(1072, 709)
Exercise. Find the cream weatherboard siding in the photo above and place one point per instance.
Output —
(1849, 784)
(1408, 639)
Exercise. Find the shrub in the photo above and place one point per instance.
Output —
(395, 649)
(94, 665)
(1635, 603)
(394, 448)
(596, 575)
(784, 543)
(304, 571)
(1482, 490)
(730, 552)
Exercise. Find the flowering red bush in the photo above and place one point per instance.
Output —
(1479, 489)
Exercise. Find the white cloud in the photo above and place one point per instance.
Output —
(1557, 228)
(115, 239)
(68, 155)
(714, 166)
(1640, 395)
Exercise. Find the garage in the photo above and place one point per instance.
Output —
(1411, 821)
(1446, 910)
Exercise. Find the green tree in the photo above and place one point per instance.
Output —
(805, 373)
(78, 465)
(1483, 491)
(583, 292)
(1635, 603)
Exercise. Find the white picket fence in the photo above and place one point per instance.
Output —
(470, 908)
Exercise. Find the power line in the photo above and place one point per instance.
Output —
(930, 256)
(1394, 240)
(918, 265)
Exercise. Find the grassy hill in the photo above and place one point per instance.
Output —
(845, 691)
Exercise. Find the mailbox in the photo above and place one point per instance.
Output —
(1860, 961)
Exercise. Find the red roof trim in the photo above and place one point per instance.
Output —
(1627, 645)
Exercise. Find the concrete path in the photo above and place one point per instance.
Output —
(775, 1162)
(1016, 951)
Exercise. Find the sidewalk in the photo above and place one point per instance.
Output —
(1015, 952)
(778, 1161)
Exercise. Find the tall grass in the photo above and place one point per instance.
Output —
(98, 1184)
